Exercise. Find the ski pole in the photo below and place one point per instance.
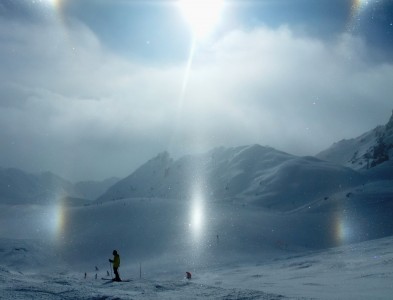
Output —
(110, 267)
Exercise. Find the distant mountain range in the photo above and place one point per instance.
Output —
(19, 187)
(246, 175)
(262, 176)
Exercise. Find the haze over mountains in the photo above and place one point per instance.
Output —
(254, 174)
(257, 175)
(317, 196)
(264, 176)
(19, 187)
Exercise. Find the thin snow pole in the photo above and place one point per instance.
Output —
(140, 270)
(110, 267)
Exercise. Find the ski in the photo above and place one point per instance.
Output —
(110, 279)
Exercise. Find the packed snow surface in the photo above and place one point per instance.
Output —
(358, 271)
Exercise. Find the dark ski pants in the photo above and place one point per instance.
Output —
(117, 278)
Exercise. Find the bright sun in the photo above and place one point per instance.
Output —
(202, 15)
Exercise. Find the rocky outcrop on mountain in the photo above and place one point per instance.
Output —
(364, 152)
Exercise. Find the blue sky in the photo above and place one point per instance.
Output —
(154, 29)
(94, 88)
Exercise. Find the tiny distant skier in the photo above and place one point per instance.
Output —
(188, 275)
(116, 264)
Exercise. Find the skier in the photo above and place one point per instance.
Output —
(188, 275)
(116, 264)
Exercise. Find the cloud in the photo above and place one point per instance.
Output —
(71, 106)
(281, 88)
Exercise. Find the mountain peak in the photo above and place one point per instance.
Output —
(366, 151)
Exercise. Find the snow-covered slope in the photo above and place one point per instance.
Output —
(300, 181)
(358, 271)
(28, 255)
(255, 175)
(187, 235)
(234, 251)
(366, 151)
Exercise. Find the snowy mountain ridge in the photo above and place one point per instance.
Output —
(364, 152)
(221, 173)
(263, 176)
(254, 175)
(257, 175)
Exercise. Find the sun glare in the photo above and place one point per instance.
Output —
(196, 217)
(55, 219)
(54, 3)
(358, 6)
(202, 15)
